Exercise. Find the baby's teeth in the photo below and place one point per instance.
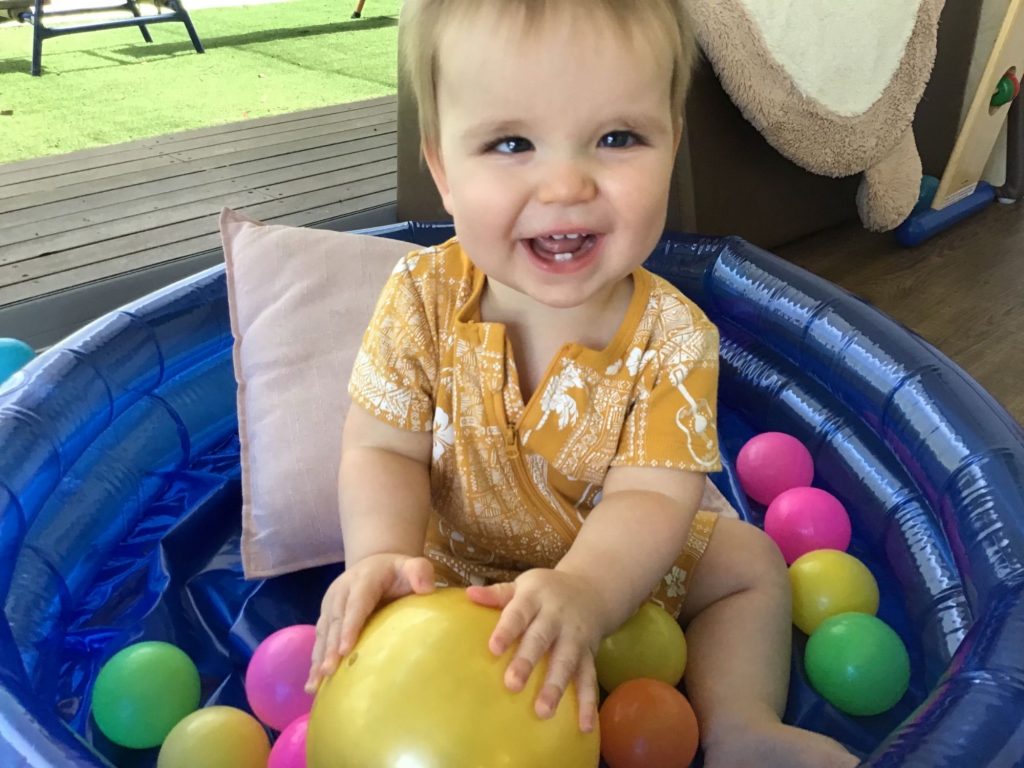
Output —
(563, 256)
(573, 237)
(557, 237)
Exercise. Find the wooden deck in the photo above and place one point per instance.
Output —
(83, 233)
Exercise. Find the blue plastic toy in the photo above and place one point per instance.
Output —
(925, 223)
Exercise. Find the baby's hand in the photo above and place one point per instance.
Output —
(353, 596)
(552, 612)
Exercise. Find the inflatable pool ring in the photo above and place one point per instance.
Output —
(120, 498)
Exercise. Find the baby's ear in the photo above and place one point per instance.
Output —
(432, 154)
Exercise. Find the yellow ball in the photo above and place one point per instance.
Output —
(421, 688)
(215, 737)
(650, 644)
(827, 582)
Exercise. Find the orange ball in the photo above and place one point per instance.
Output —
(646, 723)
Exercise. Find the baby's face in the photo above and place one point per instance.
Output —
(556, 150)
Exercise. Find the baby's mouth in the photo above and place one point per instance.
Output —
(562, 248)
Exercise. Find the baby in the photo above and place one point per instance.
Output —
(533, 412)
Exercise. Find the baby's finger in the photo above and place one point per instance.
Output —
(494, 596)
(535, 643)
(317, 658)
(562, 667)
(334, 617)
(515, 617)
(419, 573)
(361, 603)
(586, 693)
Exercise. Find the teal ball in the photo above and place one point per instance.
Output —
(13, 356)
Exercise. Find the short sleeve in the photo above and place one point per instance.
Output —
(672, 421)
(395, 370)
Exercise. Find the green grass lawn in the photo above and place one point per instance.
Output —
(110, 86)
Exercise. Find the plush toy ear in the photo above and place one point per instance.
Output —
(890, 188)
(787, 66)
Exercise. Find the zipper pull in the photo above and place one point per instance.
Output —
(511, 445)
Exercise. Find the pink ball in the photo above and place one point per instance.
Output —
(771, 463)
(277, 673)
(290, 748)
(802, 520)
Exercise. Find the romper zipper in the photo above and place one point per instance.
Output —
(515, 457)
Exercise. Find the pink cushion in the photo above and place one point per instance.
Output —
(300, 300)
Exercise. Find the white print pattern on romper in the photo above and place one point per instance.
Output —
(556, 397)
(444, 433)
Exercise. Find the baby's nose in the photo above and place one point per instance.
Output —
(566, 183)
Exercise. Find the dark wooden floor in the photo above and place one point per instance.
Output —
(962, 291)
(85, 232)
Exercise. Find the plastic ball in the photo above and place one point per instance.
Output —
(13, 355)
(650, 644)
(421, 688)
(277, 673)
(289, 751)
(773, 462)
(826, 583)
(858, 663)
(216, 737)
(1004, 92)
(802, 520)
(142, 692)
(648, 724)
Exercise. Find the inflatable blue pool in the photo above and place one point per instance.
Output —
(120, 499)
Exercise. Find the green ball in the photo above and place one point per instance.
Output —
(858, 663)
(1003, 93)
(142, 692)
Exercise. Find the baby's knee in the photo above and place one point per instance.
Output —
(758, 556)
(740, 560)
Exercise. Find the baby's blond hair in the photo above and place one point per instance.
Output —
(654, 22)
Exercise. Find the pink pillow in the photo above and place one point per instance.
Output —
(300, 300)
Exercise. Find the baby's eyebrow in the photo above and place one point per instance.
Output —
(641, 122)
(494, 128)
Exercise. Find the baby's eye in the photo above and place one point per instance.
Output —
(510, 145)
(619, 140)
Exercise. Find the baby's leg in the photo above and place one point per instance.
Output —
(737, 617)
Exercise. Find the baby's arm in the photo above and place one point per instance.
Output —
(627, 544)
(385, 505)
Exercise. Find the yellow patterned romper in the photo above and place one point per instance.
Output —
(512, 482)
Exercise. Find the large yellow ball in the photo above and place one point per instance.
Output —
(827, 582)
(422, 690)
